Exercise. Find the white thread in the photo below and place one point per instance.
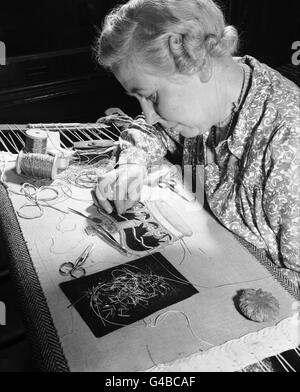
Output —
(282, 364)
(287, 362)
(36, 200)
(297, 352)
(163, 315)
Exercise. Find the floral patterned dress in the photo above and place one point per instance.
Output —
(252, 178)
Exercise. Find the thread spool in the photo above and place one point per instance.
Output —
(36, 141)
(63, 161)
(54, 148)
(63, 158)
(37, 165)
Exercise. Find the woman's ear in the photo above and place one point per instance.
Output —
(206, 69)
(175, 44)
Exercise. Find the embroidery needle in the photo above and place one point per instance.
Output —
(93, 220)
(106, 236)
(74, 303)
(55, 208)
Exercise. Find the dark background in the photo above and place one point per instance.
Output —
(50, 75)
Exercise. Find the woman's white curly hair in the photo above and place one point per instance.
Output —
(142, 30)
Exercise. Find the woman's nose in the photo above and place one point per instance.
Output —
(150, 114)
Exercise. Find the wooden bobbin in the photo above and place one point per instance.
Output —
(63, 158)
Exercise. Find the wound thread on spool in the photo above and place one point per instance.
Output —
(37, 165)
(36, 141)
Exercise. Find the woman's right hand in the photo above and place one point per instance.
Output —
(121, 186)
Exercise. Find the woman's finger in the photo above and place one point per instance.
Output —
(105, 185)
(104, 190)
(120, 189)
(104, 203)
(135, 190)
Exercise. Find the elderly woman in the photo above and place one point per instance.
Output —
(237, 116)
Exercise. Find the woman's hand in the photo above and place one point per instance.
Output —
(122, 186)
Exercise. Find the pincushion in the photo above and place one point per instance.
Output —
(258, 305)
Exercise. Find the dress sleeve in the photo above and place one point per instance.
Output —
(282, 195)
(146, 144)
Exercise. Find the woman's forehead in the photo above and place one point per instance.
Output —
(135, 78)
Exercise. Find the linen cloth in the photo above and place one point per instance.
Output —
(215, 263)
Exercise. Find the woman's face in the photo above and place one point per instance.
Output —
(181, 102)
